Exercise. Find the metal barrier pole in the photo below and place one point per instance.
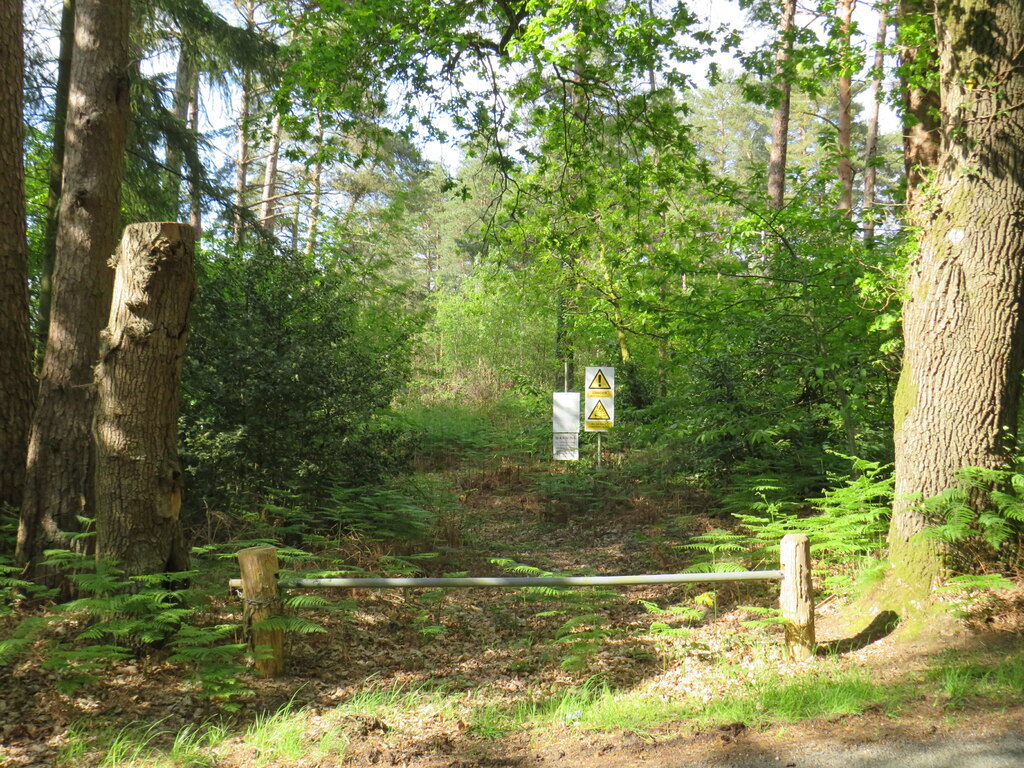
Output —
(259, 585)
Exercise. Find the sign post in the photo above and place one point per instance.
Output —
(600, 402)
(566, 426)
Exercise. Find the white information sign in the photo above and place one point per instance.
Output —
(567, 446)
(600, 381)
(566, 412)
(565, 423)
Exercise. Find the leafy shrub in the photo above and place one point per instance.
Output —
(289, 370)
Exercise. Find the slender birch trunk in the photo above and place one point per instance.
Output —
(845, 170)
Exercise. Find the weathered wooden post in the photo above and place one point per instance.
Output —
(262, 600)
(797, 598)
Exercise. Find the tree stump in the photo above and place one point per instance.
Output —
(135, 426)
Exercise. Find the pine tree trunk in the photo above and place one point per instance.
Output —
(316, 184)
(17, 385)
(871, 141)
(185, 73)
(194, 191)
(58, 488)
(242, 160)
(138, 477)
(956, 403)
(780, 117)
(56, 175)
(845, 170)
(268, 208)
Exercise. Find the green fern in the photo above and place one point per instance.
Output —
(297, 624)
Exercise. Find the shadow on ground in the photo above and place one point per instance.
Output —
(883, 625)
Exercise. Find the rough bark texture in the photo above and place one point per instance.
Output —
(780, 118)
(59, 473)
(17, 386)
(956, 403)
(56, 176)
(138, 477)
(921, 130)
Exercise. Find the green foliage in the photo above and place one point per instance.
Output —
(289, 367)
(579, 490)
(847, 525)
(381, 514)
(582, 634)
(983, 516)
(116, 618)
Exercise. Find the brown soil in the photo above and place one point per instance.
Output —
(496, 647)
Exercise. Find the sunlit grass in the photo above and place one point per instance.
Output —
(960, 679)
(293, 736)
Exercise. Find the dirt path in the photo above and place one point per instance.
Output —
(502, 648)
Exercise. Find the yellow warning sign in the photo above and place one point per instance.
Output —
(600, 413)
(601, 416)
(600, 381)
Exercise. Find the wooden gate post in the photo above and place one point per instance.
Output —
(262, 600)
(797, 597)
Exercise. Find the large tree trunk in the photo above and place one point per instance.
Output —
(17, 386)
(956, 404)
(58, 488)
(780, 118)
(138, 477)
(56, 175)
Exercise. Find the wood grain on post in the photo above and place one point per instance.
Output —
(262, 600)
(797, 598)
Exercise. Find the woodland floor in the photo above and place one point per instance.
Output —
(493, 647)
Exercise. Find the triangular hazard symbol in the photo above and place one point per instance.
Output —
(600, 413)
(600, 382)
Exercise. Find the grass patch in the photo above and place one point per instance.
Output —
(152, 745)
(959, 680)
(766, 700)
(293, 736)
